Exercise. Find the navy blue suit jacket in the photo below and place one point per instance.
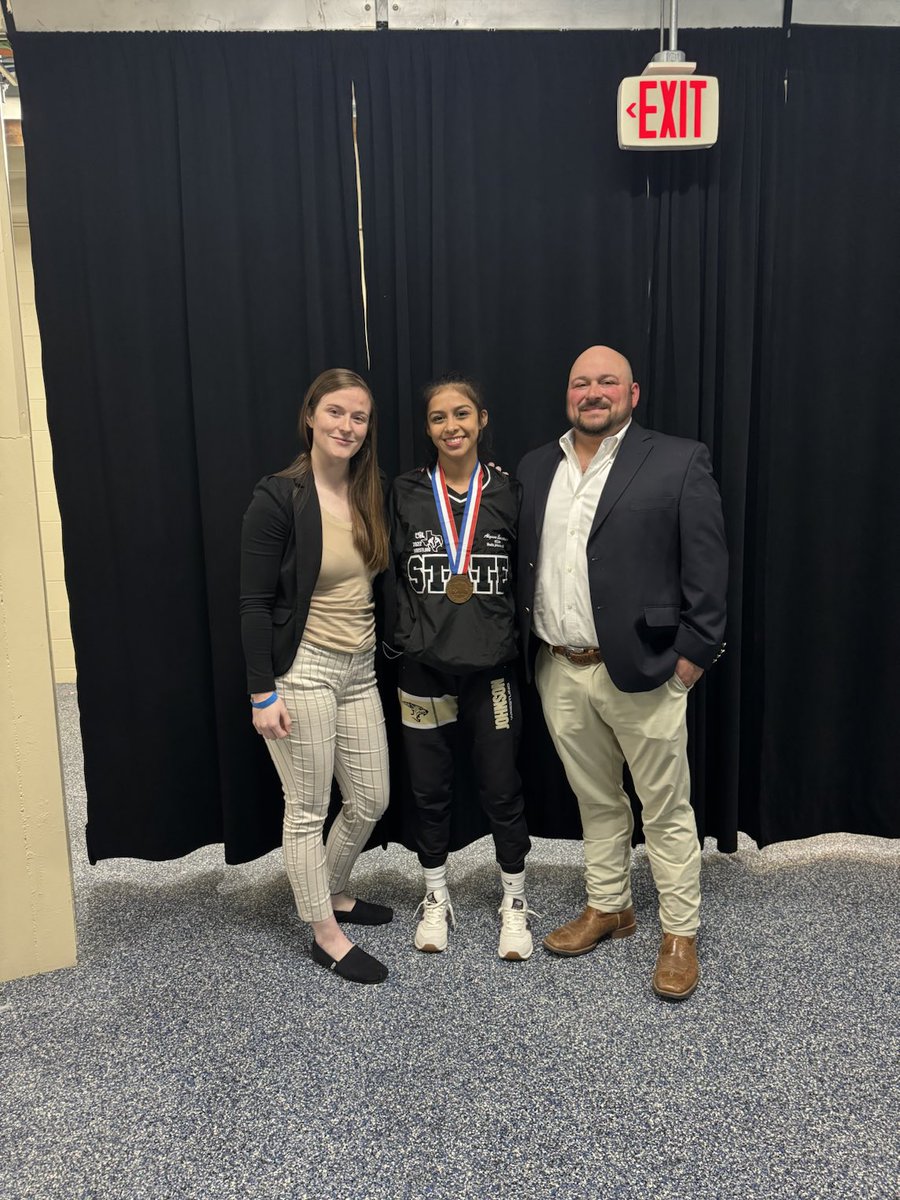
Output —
(656, 558)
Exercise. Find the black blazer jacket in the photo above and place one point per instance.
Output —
(277, 582)
(656, 558)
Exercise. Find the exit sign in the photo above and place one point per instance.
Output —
(668, 112)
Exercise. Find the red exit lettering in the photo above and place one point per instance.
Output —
(674, 94)
(644, 109)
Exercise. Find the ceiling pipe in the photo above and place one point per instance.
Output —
(673, 54)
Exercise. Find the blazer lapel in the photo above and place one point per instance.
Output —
(307, 535)
(635, 447)
(542, 491)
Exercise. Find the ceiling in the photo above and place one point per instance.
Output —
(106, 15)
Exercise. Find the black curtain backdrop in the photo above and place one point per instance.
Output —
(708, 329)
(506, 231)
(193, 211)
(194, 229)
(830, 755)
(503, 225)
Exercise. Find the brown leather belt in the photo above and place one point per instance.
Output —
(580, 658)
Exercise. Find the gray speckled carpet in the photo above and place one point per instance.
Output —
(196, 1051)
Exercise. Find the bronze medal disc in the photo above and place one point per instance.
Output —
(459, 589)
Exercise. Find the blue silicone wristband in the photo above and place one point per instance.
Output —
(264, 703)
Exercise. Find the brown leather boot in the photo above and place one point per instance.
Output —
(677, 970)
(583, 934)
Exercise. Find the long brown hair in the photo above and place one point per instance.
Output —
(366, 494)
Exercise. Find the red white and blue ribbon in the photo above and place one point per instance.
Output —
(458, 546)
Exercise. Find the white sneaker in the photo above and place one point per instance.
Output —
(437, 915)
(515, 935)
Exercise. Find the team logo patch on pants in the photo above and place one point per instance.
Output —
(427, 712)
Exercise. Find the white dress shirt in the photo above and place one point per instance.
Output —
(563, 615)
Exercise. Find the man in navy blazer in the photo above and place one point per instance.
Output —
(621, 595)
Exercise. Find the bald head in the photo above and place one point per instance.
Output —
(602, 358)
(601, 393)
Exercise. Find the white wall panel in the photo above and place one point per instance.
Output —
(846, 12)
(104, 15)
(101, 16)
(577, 14)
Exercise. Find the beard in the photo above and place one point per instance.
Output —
(599, 422)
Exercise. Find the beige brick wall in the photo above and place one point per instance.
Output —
(48, 510)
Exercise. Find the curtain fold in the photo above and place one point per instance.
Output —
(829, 759)
(713, 219)
(192, 202)
(504, 228)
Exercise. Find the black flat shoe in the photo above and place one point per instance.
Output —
(364, 913)
(356, 966)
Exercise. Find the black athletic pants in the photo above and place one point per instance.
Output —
(478, 714)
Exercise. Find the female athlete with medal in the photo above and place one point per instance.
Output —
(453, 529)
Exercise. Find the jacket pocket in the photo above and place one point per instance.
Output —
(659, 616)
(281, 615)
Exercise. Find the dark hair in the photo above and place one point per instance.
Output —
(366, 493)
(466, 387)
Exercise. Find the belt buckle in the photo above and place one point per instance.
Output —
(579, 655)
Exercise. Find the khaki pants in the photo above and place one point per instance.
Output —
(595, 729)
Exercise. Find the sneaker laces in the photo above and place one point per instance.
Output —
(436, 912)
(515, 915)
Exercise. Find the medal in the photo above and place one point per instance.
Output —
(459, 587)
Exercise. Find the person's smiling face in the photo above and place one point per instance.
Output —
(454, 424)
(601, 392)
(339, 423)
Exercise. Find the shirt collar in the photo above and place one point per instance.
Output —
(607, 448)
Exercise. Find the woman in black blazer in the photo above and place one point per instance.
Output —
(313, 539)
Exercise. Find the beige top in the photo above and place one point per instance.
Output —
(341, 611)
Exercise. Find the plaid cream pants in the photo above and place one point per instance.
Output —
(337, 732)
